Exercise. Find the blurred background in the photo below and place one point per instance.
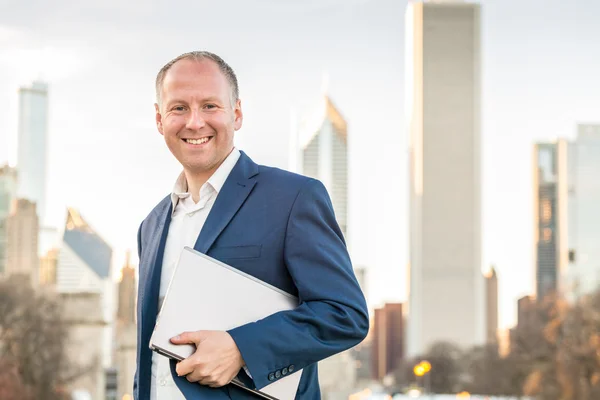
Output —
(459, 141)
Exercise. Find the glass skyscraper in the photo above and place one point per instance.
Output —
(32, 145)
(583, 275)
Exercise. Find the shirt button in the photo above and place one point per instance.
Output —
(284, 371)
(291, 368)
(163, 382)
(271, 376)
(278, 374)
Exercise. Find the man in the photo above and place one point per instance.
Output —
(272, 224)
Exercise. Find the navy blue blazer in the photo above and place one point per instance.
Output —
(279, 227)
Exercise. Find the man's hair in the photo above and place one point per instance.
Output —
(200, 56)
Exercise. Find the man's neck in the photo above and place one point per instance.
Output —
(195, 182)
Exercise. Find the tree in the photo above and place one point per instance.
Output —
(560, 348)
(487, 373)
(446, 371)
(577, 334)
(33, 336)
(11, 386)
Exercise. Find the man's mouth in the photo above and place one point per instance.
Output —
(198, 141)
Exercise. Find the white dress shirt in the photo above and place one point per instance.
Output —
(187, 221)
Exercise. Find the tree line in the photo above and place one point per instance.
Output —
(554, 355)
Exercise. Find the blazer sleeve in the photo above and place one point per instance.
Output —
(332, 315)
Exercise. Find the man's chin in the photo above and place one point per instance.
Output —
(197, 168)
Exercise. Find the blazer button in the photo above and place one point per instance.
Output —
(278, 374)
(291, 368)
(271, 376)
(284, 371)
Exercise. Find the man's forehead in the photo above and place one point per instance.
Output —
(204, 75)
(197, 68)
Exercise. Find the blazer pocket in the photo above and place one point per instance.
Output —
(235, 252)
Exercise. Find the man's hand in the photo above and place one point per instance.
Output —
(217, 359)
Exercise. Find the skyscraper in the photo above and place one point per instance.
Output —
(323, 140)
(48, 264)
(127, 294)
(550, 216)
(22, 228)
(491, 305)
(446, 301)
(388, 340)
(84, 267)
(32, 145)
(583, 272)
(126, 338)
(8, 190)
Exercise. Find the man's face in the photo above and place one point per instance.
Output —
(196, 116)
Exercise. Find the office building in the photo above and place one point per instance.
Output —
(32, 145)
(387, 350)
(443, 87)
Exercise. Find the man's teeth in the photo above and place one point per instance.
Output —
(198, 141)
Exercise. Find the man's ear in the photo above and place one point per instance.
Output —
(158, 117)
(238, 115)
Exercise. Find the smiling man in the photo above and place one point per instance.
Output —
(272, 224)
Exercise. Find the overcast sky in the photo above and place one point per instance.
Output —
(540, 78)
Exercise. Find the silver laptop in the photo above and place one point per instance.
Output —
(232, 299)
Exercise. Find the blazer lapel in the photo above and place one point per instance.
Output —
(236, 189)
(149, 290)
(151, 286)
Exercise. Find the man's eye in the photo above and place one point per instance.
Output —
(210, 106)
(179, 108)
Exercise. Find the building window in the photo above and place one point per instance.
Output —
(547, 235)
(546, 210)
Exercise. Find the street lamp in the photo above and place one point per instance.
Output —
(422, 370)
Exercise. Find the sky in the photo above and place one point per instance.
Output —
(539, 69)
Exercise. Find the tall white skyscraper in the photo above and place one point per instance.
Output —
(32, 146)
(446, 296)
(323, 154)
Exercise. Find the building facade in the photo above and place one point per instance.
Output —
(126, 331)
(323, 145)
(32, 144)
(491, 305)
(22, 248)
(550, 216)
(84, 271)
(8, 191)
(388, 340)
(443, 56)
(583, 271)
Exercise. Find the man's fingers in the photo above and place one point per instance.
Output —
(184, 367)
(189, 337)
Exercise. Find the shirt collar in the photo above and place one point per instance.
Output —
(217, 179)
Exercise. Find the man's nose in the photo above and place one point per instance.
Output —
(195, 120)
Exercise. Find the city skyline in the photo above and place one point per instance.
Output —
(361, 46)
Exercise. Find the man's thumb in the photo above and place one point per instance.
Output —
(189, 337)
